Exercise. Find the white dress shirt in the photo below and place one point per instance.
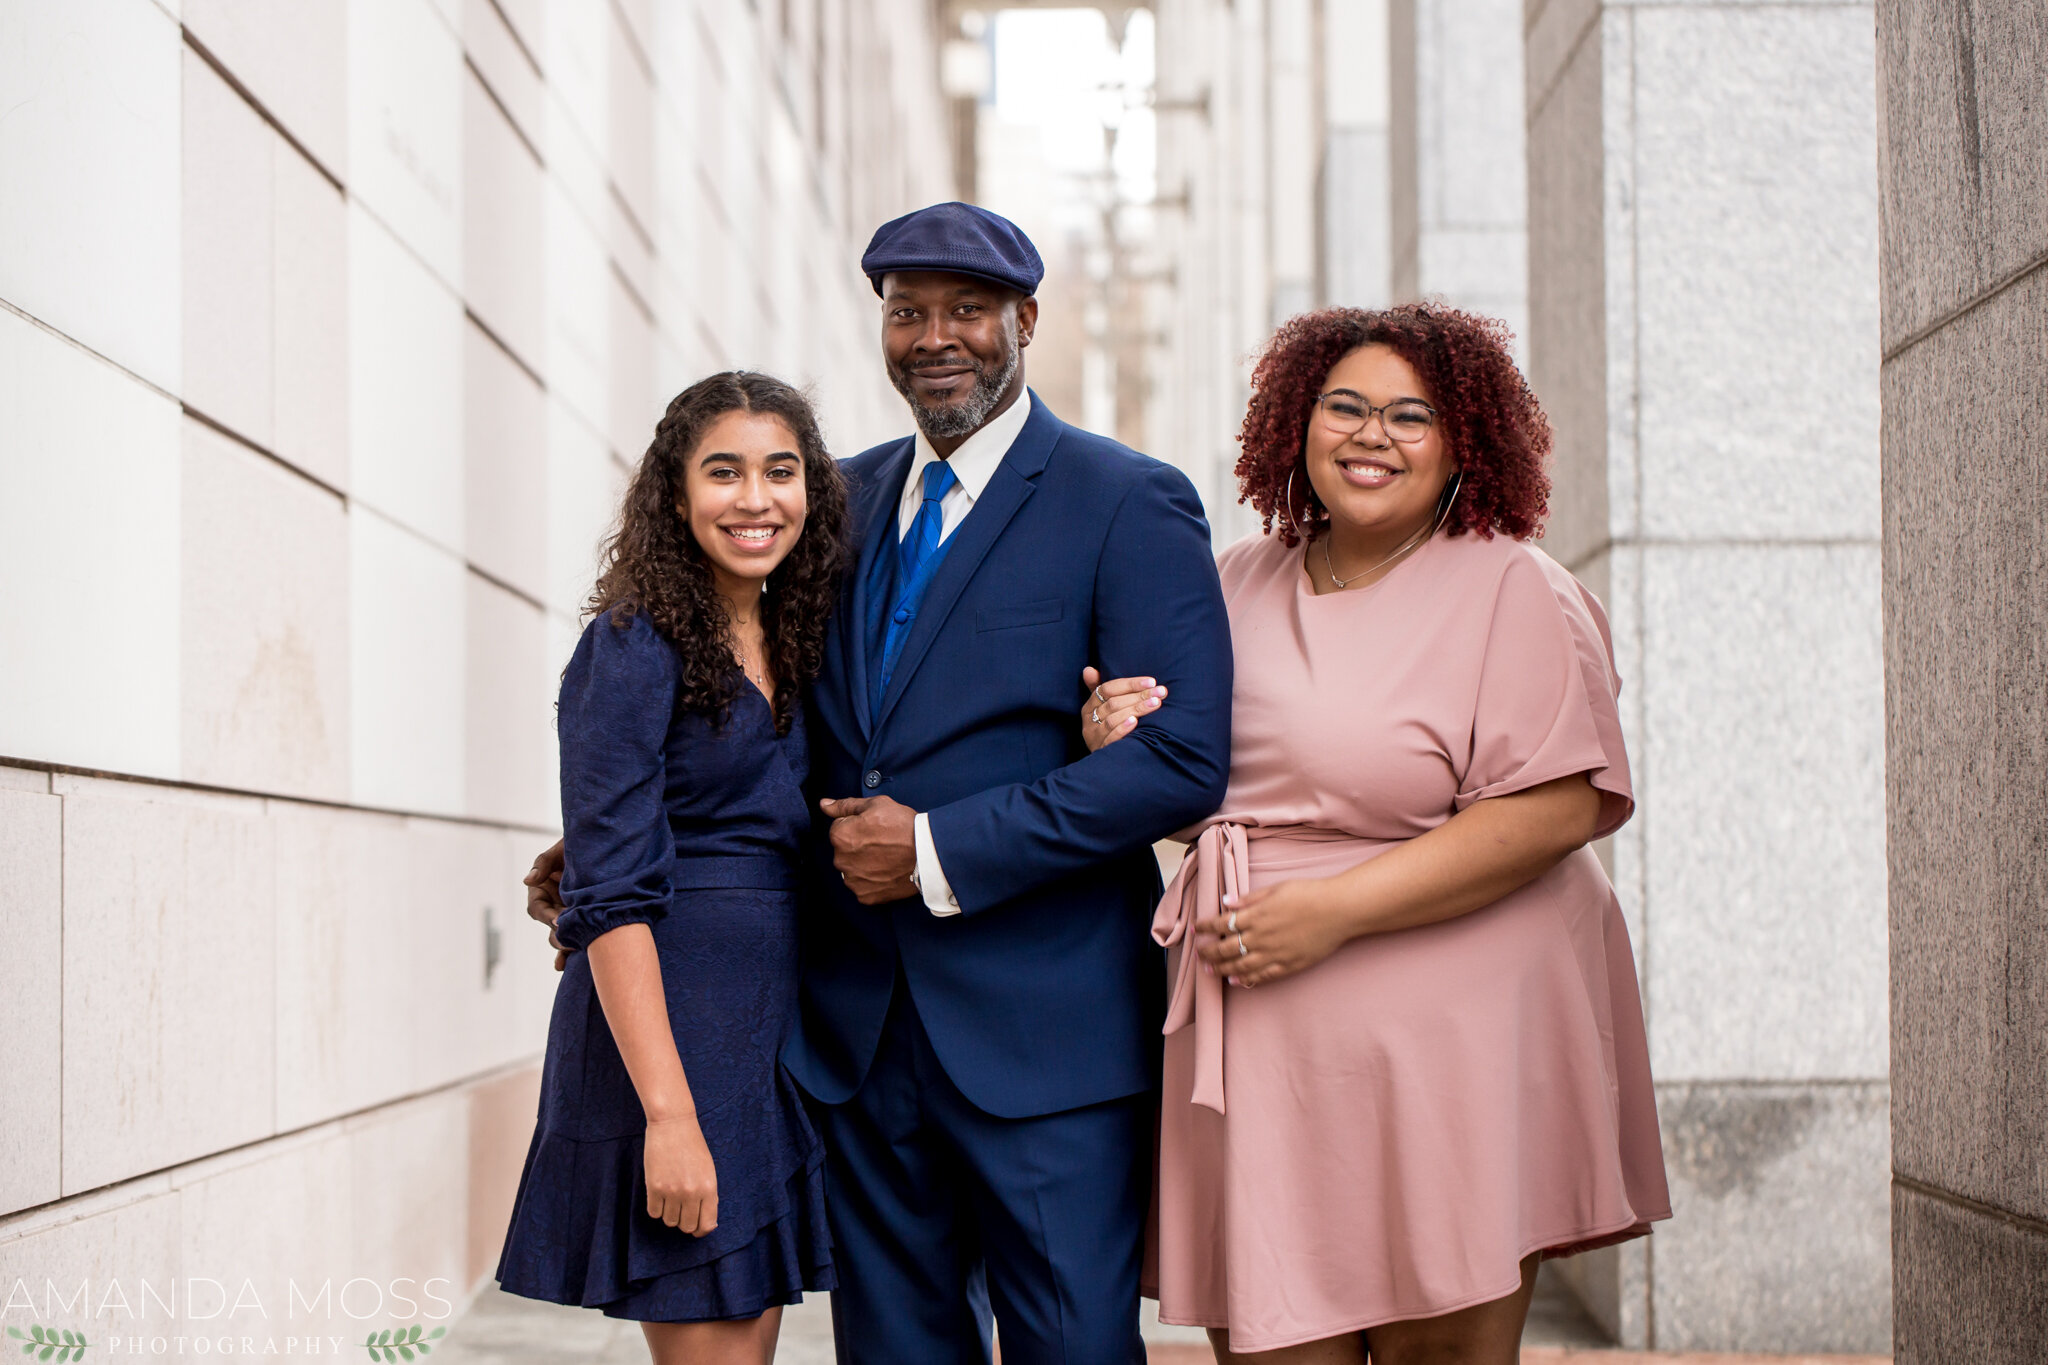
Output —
(974, 464)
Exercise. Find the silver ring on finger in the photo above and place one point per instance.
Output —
(1095, 716)
(1232, 922)
(1098, 694)
(1242, 951)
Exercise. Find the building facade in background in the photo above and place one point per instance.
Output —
(1457, 187)
(328, 333)
(1271, 170)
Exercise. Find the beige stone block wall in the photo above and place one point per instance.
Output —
(327, 340)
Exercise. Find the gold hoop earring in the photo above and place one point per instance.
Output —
(1287, 502)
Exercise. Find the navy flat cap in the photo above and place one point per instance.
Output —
(959, 238)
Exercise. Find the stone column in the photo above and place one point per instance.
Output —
(1294, 140)
(1963, 132)
(1704, 333)
(1354, 251)
(1459, 196)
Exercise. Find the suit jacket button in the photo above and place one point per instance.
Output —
(872, 780)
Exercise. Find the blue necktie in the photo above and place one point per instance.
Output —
(917, 558)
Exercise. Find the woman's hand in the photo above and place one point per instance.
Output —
(682, 1182)
(1112, 709)
(1283, 929)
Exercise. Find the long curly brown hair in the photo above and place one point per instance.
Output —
(653, 564)
(1494, 429)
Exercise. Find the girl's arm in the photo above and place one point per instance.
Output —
(618, 694)
(682, 1183)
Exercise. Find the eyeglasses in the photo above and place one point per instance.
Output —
(1406, 420)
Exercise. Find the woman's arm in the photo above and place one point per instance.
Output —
(682, 1183)
(1489, 849)
(618, 694)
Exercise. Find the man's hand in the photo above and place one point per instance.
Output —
(544, 897)
(874, 846)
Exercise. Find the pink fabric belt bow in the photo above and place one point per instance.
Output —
(1218, 865)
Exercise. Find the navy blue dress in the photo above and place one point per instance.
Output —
(694, 830)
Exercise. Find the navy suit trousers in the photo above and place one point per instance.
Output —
(941, 1212)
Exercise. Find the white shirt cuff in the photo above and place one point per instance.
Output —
(938, 892)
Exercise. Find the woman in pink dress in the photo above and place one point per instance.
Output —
(1405, 1055)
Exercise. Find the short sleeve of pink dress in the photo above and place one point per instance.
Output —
(1386, 1135)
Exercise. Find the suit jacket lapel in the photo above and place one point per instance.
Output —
(1007, 491)
(875, 514)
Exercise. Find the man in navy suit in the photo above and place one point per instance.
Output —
(981, 998)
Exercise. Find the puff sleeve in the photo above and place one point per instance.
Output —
(1546, 705)
(618, 694)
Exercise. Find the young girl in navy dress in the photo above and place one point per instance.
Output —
(674, 1178)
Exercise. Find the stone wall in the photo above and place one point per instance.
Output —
(1354, 249)
(1458, 191)
(328, 333)
(1963, 127)
(1703, 331)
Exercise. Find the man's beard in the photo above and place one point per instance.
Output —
(963, 415)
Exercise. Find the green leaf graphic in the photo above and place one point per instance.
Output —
(14, 1332)
(405, 1352)
(437, 1334)
(414, 1333)
(424, 1349)
(36, 1331)
(46, 1352)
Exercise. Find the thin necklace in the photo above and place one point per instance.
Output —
(759, 680)
(1408, 545)
(1343, 583)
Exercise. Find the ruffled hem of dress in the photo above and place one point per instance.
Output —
(580, 1233)
(784, 1259)
(1575, 1243)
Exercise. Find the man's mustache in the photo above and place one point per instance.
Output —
(963, 363)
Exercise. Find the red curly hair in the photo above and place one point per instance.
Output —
(1494, 429)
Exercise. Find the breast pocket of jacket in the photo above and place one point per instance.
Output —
(1043, 611)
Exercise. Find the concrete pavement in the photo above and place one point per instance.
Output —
(500, 1329)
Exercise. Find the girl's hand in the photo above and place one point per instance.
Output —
(1284, 928)
(1111, 709)
(682, 1182)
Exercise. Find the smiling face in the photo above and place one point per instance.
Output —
(743, 498)
(1373, 484)
(954, 346)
